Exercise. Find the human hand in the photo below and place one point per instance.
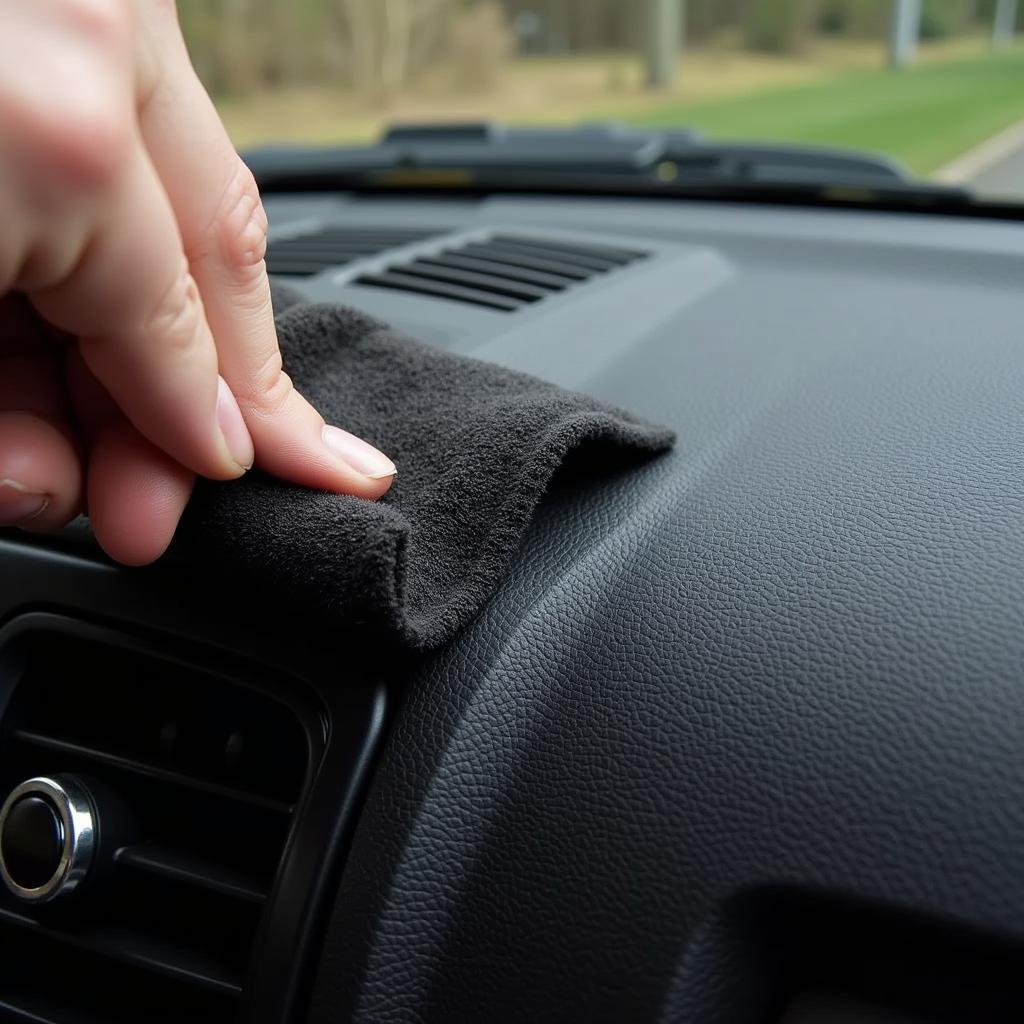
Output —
(137, 345)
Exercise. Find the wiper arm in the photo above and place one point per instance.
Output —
(611, 148)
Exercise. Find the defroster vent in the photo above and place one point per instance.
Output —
(194, 779)
(504, 272)
(308, 254)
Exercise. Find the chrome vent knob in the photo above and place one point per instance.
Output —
(48, 835)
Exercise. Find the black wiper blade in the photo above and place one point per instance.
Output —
(764, 162)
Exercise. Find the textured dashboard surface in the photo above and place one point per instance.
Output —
(744, 724)
(785, 660)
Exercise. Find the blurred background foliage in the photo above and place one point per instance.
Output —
(807, 71)
(380, 48)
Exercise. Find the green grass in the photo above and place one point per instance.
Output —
(925, 115)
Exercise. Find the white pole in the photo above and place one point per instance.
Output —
(904, 26)
(1004, 25)
(664, 31)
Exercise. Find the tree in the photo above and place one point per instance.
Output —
(240, 64)
(389, 40)
(1004, 24)
(903, 31)
(665, 20)
(781, 26)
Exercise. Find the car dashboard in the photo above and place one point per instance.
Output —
(738, 739)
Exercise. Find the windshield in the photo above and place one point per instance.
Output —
(937, 85)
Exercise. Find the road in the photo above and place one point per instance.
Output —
(995, 168)
(1004, 178)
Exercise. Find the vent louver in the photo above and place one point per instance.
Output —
(504, 273)
(208, 772)
(305, 255)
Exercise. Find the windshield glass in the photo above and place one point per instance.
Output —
(938, 85)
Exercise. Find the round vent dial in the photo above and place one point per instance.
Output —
(47, 838)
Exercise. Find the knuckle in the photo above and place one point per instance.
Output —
(93, 145)
(268, 388)
(240, 223)
(82, 135)
(105, 22)
(176, 319)
(105, 19)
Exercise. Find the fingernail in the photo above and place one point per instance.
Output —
(232, 426)
(362, 457)
(18, 505)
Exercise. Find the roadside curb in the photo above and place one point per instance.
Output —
(983, 156)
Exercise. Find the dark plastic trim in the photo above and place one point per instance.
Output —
(868, 197)
(347, 706)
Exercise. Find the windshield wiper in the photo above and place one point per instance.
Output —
(599, 159)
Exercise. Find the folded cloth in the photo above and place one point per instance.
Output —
(475, 445)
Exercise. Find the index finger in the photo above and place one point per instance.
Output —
(224, 229)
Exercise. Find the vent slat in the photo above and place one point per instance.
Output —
(61, 746)
(316, 251)
(592, 263)
(389, 234)
(504, 272)
(321, 256)
(517, 259)
(179, 867)
(408, 283)
(357, 235)
(12, 1014)
(298, 268)
(194, 775)
(141, 951)
(554, 282)
(601, 252)
(488, 282)
(54, 983)
(333, 244)
(324, 250)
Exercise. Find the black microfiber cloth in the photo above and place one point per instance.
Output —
(475, 445)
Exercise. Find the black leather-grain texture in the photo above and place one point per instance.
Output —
(788, 658)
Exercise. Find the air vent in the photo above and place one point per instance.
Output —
(204, 773)
(505, 272)
(305, 255)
